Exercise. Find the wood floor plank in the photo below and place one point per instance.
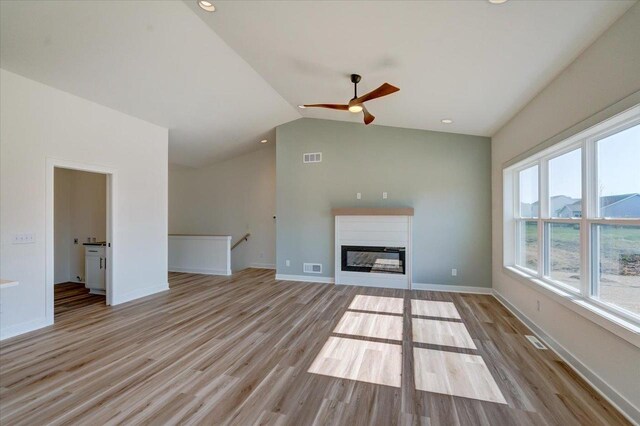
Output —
(365, 324)
(444, 333)
(237, 350)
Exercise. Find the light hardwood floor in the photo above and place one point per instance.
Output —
(238, 350)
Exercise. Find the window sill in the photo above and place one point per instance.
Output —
(621, 327)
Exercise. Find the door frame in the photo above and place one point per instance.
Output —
(111, 213)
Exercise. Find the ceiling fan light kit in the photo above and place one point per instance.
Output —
(356, 104)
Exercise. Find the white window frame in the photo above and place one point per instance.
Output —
(585, 140)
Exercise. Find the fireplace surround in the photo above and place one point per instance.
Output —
(373, 247)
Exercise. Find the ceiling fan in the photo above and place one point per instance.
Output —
(356, 104)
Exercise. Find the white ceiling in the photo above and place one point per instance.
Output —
(155, 60)
(220, 92)
(471, 61)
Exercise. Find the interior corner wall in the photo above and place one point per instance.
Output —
(231, 197)
(606, 72)
(40, 123)
(80, 206)
(445, 177)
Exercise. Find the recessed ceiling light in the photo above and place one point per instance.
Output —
(206, 5)
(497, 1)
(263, 141)
(301, 106)
(447, 121)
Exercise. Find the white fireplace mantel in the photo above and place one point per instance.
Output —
(376, 227)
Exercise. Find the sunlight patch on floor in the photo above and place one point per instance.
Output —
(390, 305)
(371, 362)
(432, 308)
(370, 325)
(438, 371)
(445, 333)
(456, 374)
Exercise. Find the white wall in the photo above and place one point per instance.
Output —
(605, 73)
(40, 123)
(80, 212)
(232, 197)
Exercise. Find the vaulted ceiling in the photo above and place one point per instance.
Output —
(222, 81)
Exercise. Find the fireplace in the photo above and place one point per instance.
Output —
(373, 247)
(386, 260)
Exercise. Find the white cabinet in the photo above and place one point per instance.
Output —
(95, 265)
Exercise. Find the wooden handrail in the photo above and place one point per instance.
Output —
(245, 238)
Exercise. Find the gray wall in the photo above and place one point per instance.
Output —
(444, 176)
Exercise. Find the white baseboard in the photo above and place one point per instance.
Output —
(415, 286)
(305, 278)
(24, 327)
(631, 412)
(204, 271)
(141, 292)
(452, 288)
(262, 266)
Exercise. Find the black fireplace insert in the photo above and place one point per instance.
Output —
(387, 260)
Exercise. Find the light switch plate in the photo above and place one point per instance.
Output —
(359, 195)
(384, 195)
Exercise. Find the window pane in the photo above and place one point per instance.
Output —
(619, 174)
(617, 268)
(529, 203)
(528, 244)
(565, 185)
(564, 253)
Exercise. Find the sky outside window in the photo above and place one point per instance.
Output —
(619, 163)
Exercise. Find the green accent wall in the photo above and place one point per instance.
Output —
(445, 177)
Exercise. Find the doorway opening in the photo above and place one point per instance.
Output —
(79, 247)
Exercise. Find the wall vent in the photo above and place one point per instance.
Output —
(535, 342)
(312, 268)
(312, 157)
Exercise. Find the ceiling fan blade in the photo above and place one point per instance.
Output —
(368, 118)
(384, 90)
(330, 106)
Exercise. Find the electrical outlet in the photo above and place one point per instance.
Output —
(384, 195)
(75, 241)
(359, 195)
(287, 262)
(454, 272)
(24, 238)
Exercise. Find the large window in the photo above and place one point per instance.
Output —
(572, 216)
